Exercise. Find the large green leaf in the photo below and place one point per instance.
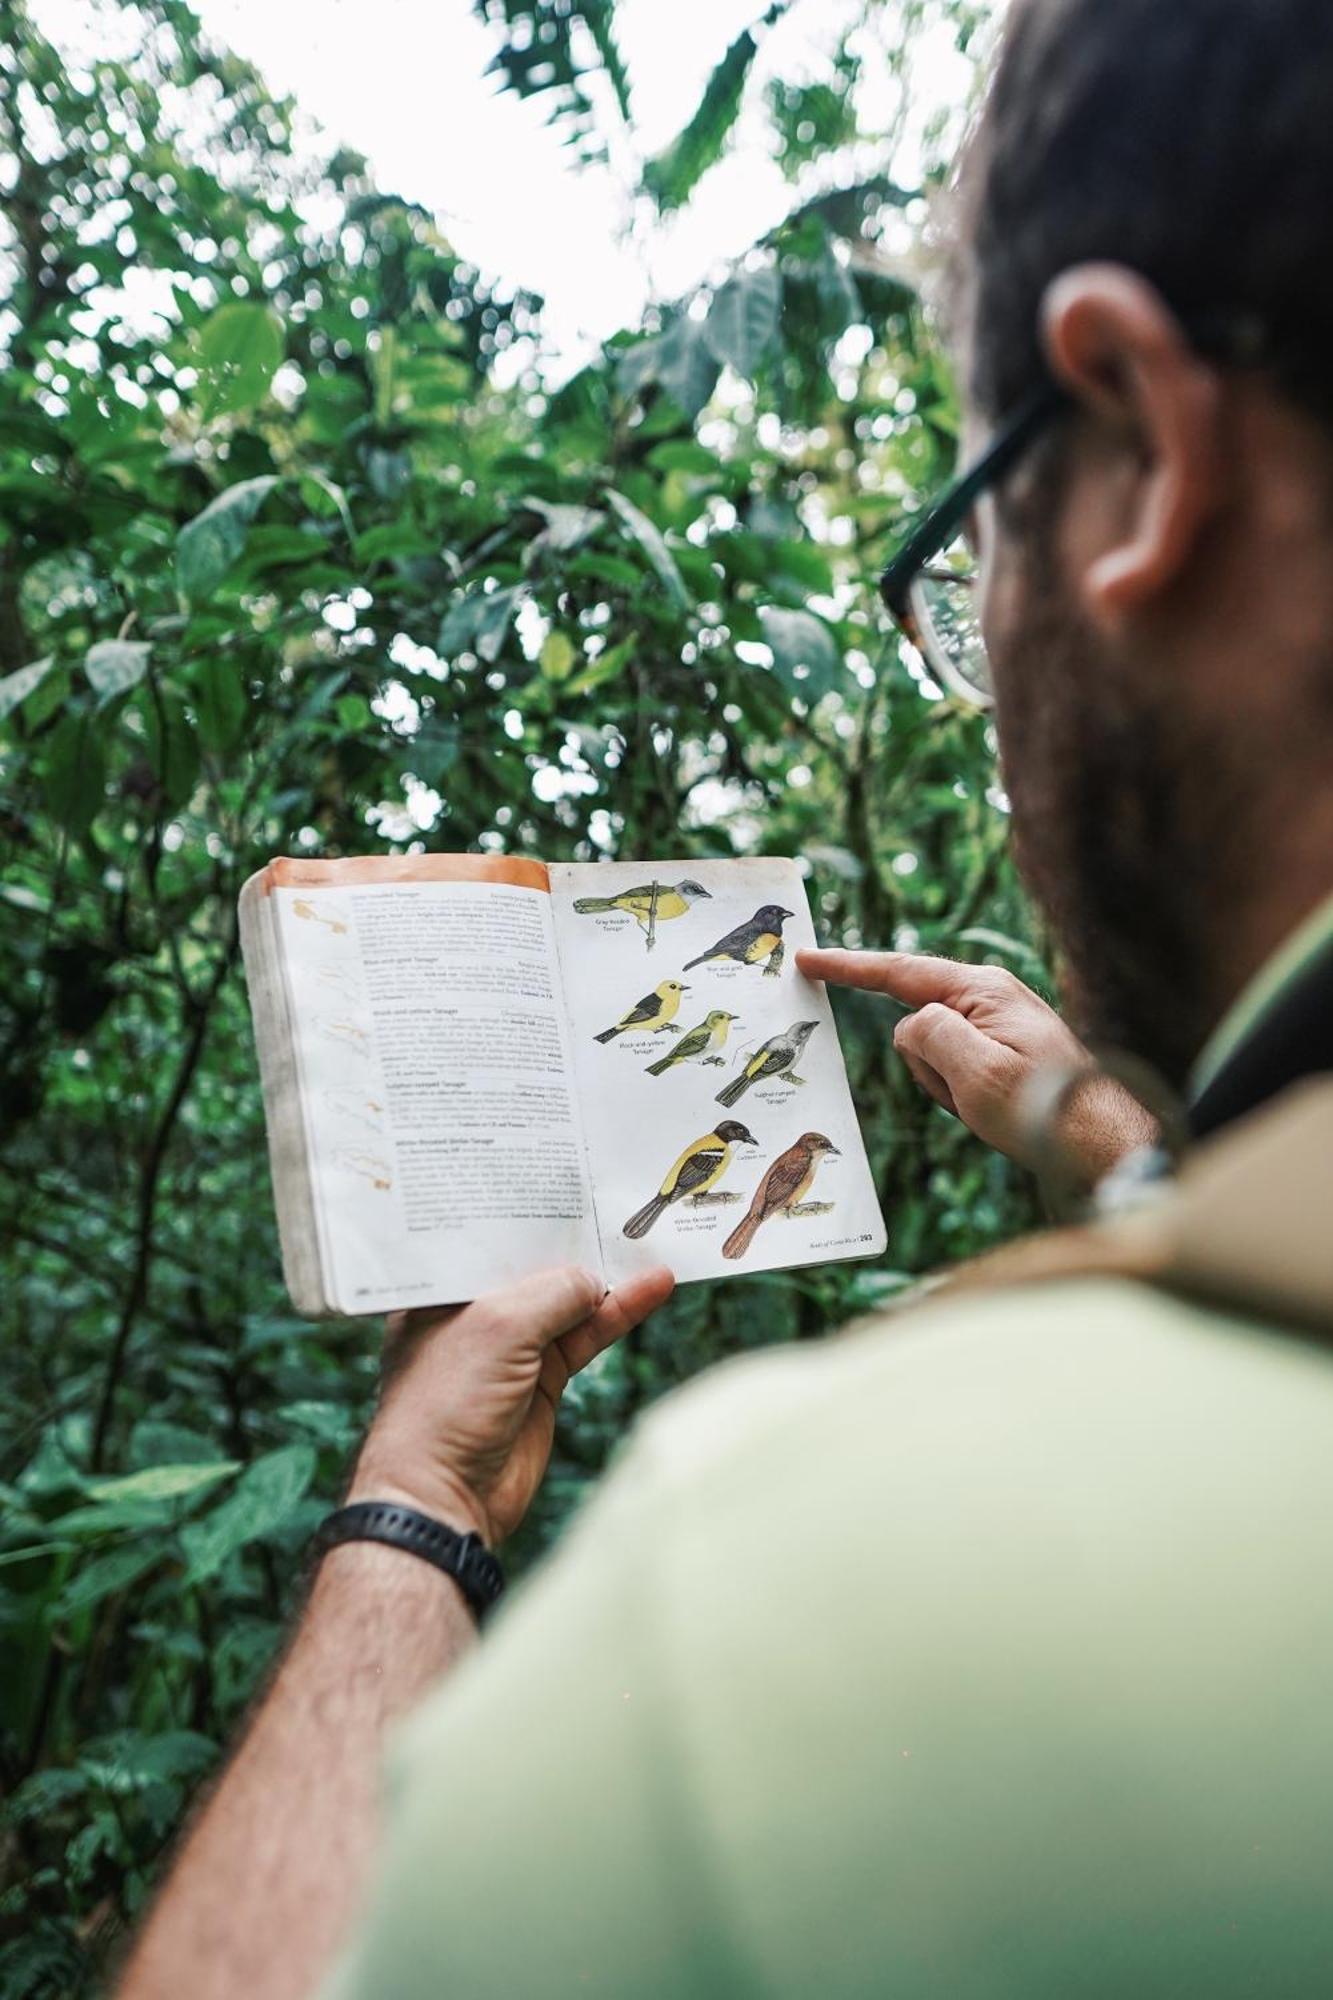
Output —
(262, 1501)
(16, 687)
(680, 361)
(673, 175)
(106, 1574)
(805, 654)
(208, 545)
(162, 1482)
(115, 665)
(240, 351)
(742, 323)
(650, 539)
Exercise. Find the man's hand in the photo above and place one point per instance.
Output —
(261, 1895)
(467, 1415)
(977, 1039)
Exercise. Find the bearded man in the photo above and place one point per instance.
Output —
(987, 1652)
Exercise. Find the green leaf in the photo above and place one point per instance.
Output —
(106, 1574)
(673, 175)
(742, 322)
(650, 540)
(566, 526)
(264, 1497)
(16, 687)
(208, 545)
(240, 351)
(115, 665)
(74, 773)
(131, 1759)
(805, 655)
(606, 667)
(479, 622)
(221, 704)
(163, 1482)
(558, 656)
(680, 361)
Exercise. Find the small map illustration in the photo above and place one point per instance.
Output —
(369, 1165)
(341, 980)
(321, 913)
(357, 1106)
(346, 1034)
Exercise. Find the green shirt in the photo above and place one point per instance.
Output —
(985, 1652)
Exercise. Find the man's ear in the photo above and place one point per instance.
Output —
(1115, 345)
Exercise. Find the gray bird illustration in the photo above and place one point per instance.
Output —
(777, 1058)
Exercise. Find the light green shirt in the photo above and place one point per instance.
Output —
(986, 1652)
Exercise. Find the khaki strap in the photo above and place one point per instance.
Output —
(1248, 1226)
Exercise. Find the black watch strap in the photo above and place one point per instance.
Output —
(465, 1558)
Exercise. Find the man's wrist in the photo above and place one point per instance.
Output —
(441, 1499)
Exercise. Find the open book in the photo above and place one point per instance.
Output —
(477, 1067)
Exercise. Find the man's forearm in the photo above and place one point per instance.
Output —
(271, 1875)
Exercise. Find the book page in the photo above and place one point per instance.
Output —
(435, 1076)
(721, 1134)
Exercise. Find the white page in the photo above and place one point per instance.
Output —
(637, 1125)
(436, 1087)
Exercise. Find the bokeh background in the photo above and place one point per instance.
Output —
(524, 491)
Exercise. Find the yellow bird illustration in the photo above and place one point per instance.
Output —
(651, 904)
(699, 1044)
(656, 1010)
(698, 1169)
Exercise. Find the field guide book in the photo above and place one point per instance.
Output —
(476, 1067)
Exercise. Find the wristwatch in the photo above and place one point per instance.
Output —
(465, 1558)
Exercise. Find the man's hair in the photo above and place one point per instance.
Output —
(1191, 140)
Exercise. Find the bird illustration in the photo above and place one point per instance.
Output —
(651, 904)
(656, 1010)
(699, 1044)
(775, 1059)
(752, 943)
(698, 1169)
(782, 1190)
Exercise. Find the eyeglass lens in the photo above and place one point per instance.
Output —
(944, 603)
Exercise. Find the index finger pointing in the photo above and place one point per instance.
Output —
(907, 976)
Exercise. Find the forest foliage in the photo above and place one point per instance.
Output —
(302, 550)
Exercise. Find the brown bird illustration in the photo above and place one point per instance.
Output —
(782, 1190)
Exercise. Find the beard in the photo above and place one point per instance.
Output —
(1126, 817)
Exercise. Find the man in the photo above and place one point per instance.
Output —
(987, 1652)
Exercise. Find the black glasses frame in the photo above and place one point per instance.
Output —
(946, 517)
(1239, 339)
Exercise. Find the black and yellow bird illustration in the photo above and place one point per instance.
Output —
(698, 1169)
(777, 1058)
(782, 1190)
(651, 904)
(656, 1010)
(699, 1044)
(752, 943)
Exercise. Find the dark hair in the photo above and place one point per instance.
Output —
(1191, 140)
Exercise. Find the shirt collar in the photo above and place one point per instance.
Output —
(1282, 988)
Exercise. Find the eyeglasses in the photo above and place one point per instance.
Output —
(930, 587)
